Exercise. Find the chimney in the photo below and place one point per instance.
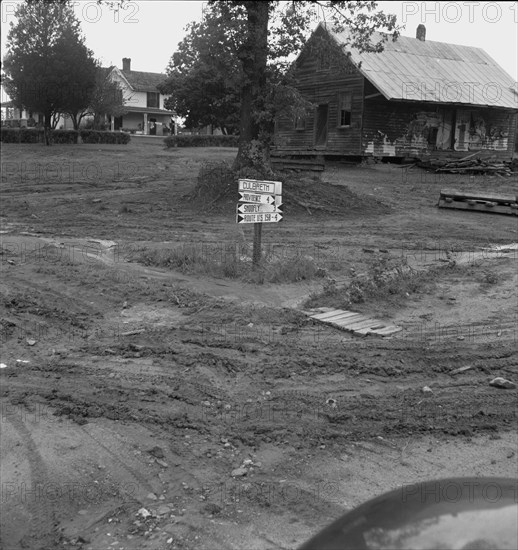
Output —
(420, 33)
(126, 63)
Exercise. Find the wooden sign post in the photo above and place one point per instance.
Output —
(256, 252)
(260, 202)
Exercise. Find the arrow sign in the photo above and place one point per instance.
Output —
(258, 198)
(258, 208)
(259, 186)
(258, 218)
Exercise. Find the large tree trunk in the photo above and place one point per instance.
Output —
(254, 147)
(47, 127)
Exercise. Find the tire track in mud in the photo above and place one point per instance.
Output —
(134, 473)
(41, 529)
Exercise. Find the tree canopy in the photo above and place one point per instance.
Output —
(204, 78)
(48, 68)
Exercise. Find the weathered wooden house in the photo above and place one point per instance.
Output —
(417, 98)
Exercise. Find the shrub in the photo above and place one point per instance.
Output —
(21, 135)
(201, 141)
(102, 136)
(64, 136)
(36, 135)
(216, 180)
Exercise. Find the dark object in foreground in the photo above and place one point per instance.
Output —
(460, 513)
(478, 201)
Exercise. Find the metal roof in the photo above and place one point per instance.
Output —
(144, 82)
(413, 70)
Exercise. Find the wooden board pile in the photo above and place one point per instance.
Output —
(472, 164)
(478, 201)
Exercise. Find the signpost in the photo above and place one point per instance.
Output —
(258, 218)
(255, 208)
(259, 198)
(260, 202)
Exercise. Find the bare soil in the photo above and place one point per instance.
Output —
(149, 408)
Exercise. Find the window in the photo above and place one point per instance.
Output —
(344, 109)
(300, 123)
(153, 99)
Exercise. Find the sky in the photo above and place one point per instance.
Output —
(149, 31)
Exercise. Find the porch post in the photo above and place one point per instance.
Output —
(146, 131)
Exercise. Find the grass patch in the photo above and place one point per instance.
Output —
(386, 282)
(232, 261)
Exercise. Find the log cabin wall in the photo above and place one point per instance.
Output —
(322, 84)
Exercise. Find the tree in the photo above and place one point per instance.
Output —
(204, 78)
(48, 67)
(107, 99)
(262, 36)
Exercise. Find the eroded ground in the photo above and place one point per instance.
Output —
(144, 407)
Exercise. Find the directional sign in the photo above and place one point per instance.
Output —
(258, 198)
(249, 208)
(257, 186)
(258, 218)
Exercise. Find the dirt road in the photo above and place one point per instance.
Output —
(150, 407)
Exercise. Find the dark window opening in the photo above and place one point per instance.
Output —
(153, 100)
(344, 108)
(300, 123)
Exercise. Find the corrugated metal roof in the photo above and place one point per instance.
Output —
(413, 70)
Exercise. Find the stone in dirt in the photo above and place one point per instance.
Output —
(427, 390)
(157, 452)
(503, 383)
(239, 472)
(461, 369)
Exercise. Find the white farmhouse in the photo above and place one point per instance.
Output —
(144, 104)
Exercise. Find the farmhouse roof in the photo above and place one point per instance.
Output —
(414, 69)
(143, 82)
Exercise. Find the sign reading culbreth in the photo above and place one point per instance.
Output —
(260, 202)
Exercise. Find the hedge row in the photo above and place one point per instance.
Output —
(102, 136)
(36, 135)
(186, 140)
(21, 135)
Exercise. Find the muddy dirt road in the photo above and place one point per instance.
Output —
(151, 407)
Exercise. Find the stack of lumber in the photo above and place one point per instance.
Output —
(479, 201)
(472, 164)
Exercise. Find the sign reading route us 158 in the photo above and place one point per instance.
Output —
(259, 218)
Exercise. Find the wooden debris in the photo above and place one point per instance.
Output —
(471, 164)
(478, 201)
(354, 322)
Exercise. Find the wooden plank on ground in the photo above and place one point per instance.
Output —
(355, 322)
(363, 324)
(478, 207)
(333, 313)
(478, 195)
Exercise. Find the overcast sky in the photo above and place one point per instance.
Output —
(149, 31)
